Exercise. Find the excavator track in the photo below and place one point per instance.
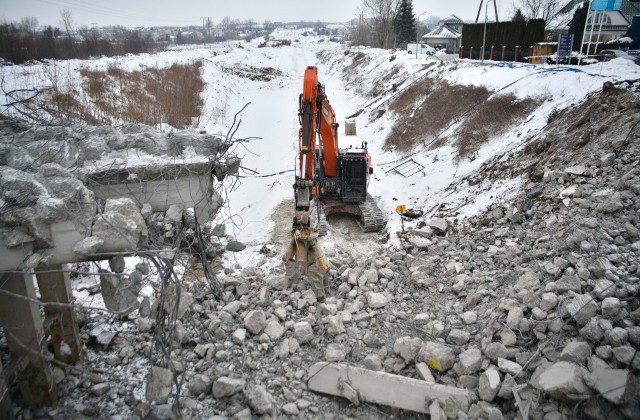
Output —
(323, 227)
(368, 215)
(372, 219)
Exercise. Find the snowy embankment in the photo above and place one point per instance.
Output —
(269, 80)
(441, 181)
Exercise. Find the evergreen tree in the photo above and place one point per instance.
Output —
(576, 27)
(518, 16)
(404, 23)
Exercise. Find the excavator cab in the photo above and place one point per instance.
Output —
(354, 176)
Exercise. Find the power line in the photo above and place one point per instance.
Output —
(104, 11)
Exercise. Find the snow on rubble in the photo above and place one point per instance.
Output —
(55, 177)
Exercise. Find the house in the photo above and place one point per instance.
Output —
(612, 24)
(446, 35)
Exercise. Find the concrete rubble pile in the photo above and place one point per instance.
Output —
(533, 306)
(53, 175)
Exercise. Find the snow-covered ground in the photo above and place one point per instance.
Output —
(271, 116)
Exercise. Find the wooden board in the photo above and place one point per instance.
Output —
(363, 385)
(6, 411)
(56, 287)
(22, 325)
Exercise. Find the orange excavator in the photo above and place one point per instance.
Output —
(328, 180)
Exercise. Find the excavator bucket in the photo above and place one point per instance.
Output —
(310, 264)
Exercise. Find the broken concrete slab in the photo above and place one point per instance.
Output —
(225, 387)
(260, 400)
(435, 411)
(88, 246)
(118, 294)
(120, 225)
(159, 384)
(561, 380)
(438, 356)
(53, 174)
(612, 384)
(363, 385)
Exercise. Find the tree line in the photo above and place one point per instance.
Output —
(22, 42)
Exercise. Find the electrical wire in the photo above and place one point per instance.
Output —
(100, 10)
(268, 175)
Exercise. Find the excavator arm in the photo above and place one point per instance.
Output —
(317, 124)
(338, 177)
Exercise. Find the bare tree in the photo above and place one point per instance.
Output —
(66, 19)
(67, 47)
(552, 11)
(225, 23)
(379, 14)
(29, 25)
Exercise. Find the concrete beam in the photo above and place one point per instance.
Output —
(25, 336)
(65, 235)
(189, 187)
(190, 184)
(12, 257)
(56, 287)
(363, 385)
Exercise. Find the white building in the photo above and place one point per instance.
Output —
(446, 35)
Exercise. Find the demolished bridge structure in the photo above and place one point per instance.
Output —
(70, 194)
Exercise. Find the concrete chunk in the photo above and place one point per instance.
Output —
(561, 380)
(438, 356)
(260, 400)
(612, 384)
(582, 308)
(489, 384)
(120, 226)
(159, 384)
(255, 321)
(226, 387)
(407, 347)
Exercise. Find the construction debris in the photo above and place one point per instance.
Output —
(362, 385)
(69, 193)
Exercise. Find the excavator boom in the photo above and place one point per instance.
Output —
(327, 178)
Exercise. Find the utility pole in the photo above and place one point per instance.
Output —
(495, 8)
(479, 10)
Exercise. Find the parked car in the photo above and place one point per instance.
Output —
(609, 55)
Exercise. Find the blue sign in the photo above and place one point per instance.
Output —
(603, 5)
(565, 43)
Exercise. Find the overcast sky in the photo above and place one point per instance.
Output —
(133, 13)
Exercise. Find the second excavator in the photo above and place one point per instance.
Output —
(328, 180)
